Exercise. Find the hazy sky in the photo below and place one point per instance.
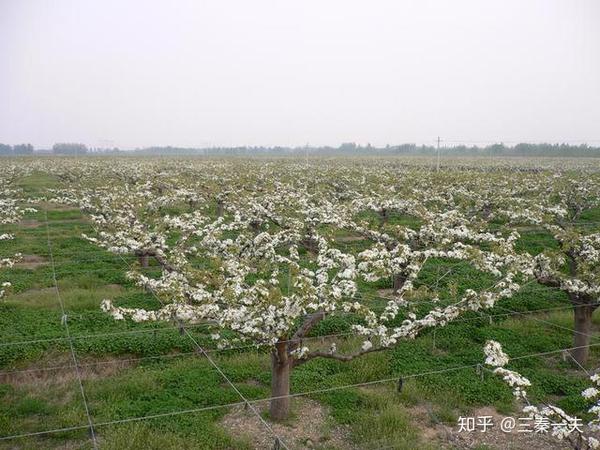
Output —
(249, 72)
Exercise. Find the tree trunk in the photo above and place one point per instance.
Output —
(220, 208)
(486, 211)
(583, 328)
(383, 216)
(398, 281)
(310, 245)
(280, 382)
(144, 261)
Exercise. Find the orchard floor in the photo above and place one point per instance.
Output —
(146, 386)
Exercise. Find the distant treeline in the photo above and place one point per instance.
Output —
(69, 149)
(59, 149)
(351, 149)
(347, 149)
(20, 149)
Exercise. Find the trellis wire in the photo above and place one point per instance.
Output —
(65, 321)
(363, 295)
(320, 337)
(250, 346)
(41, 339)
(196, 343)
(337, 242)
(218, 369)
(553, 324)
(578, 363)
(170, 328)
(295, 395)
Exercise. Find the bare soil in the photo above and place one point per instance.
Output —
(31, 262)
(52, 206)
(30, 223)
(385, 293)
(349, 238)
(493, 438)
(309, 427)
(58, 368)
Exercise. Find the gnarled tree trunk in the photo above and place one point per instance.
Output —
(280, 382)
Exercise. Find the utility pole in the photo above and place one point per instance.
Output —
(438, 155)
(306, 154)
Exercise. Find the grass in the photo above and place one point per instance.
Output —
(374, 415)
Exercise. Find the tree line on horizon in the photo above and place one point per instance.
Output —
(58, 149)
(345, 149)
(19, 149)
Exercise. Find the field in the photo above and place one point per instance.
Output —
(117, 229)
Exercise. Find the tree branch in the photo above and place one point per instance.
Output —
(308, 324)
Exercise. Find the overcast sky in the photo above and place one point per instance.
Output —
(252, 72)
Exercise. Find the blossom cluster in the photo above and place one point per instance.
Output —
(562, 422)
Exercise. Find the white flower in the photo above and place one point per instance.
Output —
(590, 393)
(495, 356)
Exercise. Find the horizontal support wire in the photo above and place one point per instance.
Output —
(295, 395)
(359, 295)
(554, 324)
(96, 335)
(117, 361)
(337, 242)
(171, 328)
(45, 339)
(249, 402)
